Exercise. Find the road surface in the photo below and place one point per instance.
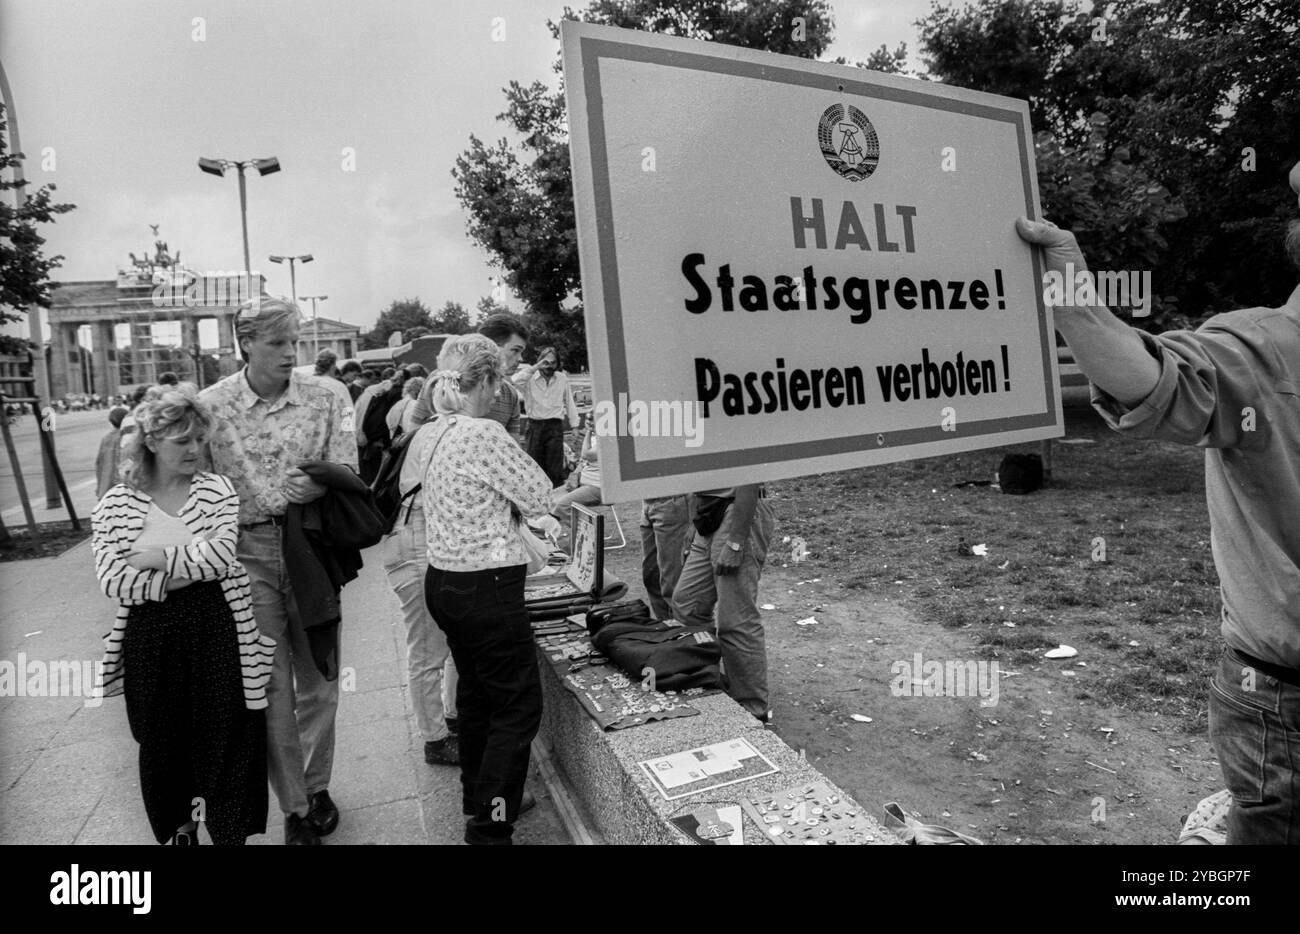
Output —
(76, 441)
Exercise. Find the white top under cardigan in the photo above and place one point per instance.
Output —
(211, 513)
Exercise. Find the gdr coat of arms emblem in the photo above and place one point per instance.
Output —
(848, 141)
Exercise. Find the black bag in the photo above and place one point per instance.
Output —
(386, 485)
(674, 656)
(709, 512)
(1020, 473)
(631, 611)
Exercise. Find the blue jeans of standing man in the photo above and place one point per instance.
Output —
(665, 523)
(431, 673)
(739, 626)
(301, 704)
(1255, 728)
(499, 694)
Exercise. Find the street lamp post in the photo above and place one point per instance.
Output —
(218, 167)
(293, 281)
(315, 328)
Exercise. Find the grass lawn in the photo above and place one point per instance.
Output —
(896, 529)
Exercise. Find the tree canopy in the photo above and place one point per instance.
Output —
(1166, 132)
(24, 268)
(405, 315)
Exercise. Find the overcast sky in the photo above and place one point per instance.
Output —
(117, 100)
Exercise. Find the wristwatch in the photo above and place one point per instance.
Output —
(733, 546)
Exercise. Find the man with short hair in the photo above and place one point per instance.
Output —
(549, 404)
(1232, 387)
(271, 420)
(351, 374)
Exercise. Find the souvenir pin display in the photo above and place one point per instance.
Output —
(810, 814)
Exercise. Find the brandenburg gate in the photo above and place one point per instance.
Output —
(155, 290)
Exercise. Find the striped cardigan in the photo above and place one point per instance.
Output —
(211, 512)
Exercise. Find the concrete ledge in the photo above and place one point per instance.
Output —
(616, 799)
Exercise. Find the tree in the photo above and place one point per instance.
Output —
(1199, 115)
(24, 269)
(487, 306)
(399, 316)
(452, 319)
(891, 62)
(520, 198)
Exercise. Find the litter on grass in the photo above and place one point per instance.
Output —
(1061, 651)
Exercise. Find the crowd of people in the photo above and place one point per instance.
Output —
(229, 665)
(218, 640)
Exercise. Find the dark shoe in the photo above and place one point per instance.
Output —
(300, 831)
(323, 815)
(453, 725)
(445, 751)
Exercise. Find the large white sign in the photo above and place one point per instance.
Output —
(790, 267)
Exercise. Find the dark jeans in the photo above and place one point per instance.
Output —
(1255, 728)
(546, 446)
(499, 695)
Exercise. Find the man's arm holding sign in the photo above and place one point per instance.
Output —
(1109, 352)
(1191, 387)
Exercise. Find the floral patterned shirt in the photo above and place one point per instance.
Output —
(472, 471)
(254, 443)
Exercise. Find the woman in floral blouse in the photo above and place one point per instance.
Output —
(476, 485)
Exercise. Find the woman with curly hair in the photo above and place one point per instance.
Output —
(184, 648)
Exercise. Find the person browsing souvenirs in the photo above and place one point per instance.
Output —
(476, 483)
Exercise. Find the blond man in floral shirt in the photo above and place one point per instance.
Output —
(270, 421)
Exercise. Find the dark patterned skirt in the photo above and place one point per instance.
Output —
(202, 751)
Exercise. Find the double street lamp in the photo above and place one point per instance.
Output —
(315, 328)
(263, 166)
(293, 281)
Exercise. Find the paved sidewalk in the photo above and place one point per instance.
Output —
(68, 771)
